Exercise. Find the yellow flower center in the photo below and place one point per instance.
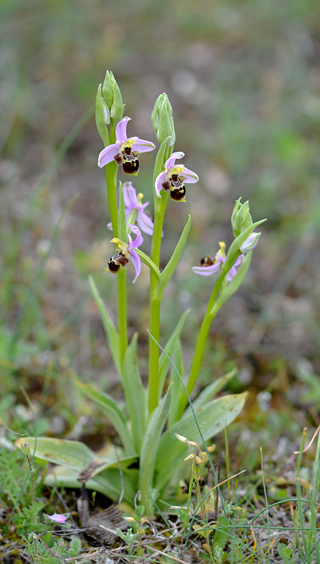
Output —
(122, 246)
(222, 246)
(139, 198)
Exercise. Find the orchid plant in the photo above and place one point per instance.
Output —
(147, 422)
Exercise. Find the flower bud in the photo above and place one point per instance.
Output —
(250, 242)
(102, 117)
(241, 217)
(107, 89)
(162, 120)
(112, 96)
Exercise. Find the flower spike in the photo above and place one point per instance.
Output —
(127, 253)
(125, 151)
(174, 178)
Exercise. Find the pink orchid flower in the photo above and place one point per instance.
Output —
(174, 178)
(135, 209)
(209, 266)
(127, 253)
(125, 151)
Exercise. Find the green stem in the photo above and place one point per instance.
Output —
(122, 312)
(201, 342)
(111, 179)
(160, 210)
(153, 386)
(154, 323)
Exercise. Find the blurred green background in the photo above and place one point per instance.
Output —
(243, 78)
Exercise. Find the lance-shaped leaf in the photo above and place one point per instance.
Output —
(75, 459)
(135, 394)
(232, 287)
(176, 377)
(110, 482)
(72, 454)
(209, 392)
(168, 271)
(111, 332)
(169, 349)
(212, 418)
(163, 154)
(148, 262)
(110, 407)
(150, 447)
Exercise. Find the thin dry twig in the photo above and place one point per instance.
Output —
(309, 445)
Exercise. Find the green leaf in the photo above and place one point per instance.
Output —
(109, 482)
(163, 154)
(212, 418)
(111, 332)
(110, 407)
(209, 392)
(176, 383)
(168, 271)
(169, 349)
(150, 446)
(101, 117)
(72, 454)
(135, 394)
(232, 287)
(148, 262)
(222, 534)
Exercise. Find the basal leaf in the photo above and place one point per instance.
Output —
(169, 349)
(209, 392)
(150, 446)
(110, 407)
(176, 384)
(72, 454)
(111, 332)
(212, 418)
(135, 394)
(109, 482)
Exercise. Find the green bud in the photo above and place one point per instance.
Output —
(162, 120)
(102, 117)
(117, 106)
(107, 89)
(250, 242)
(241, 217)
(112, 96)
